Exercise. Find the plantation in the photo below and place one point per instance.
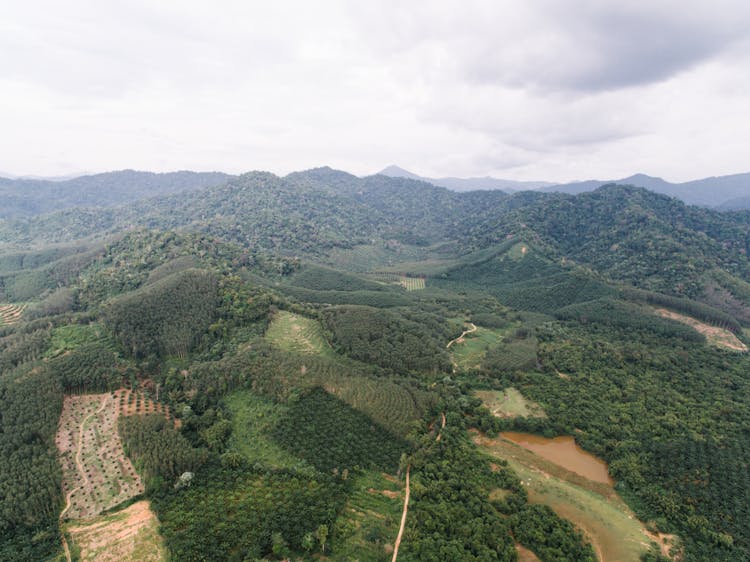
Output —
(332, 436)
(97, 475)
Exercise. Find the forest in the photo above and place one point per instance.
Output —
(304, 385)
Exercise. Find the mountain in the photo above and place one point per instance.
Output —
(467, 184)
(324, 338)
(707, 192)
(28, 197)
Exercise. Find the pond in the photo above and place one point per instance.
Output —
(564, 452)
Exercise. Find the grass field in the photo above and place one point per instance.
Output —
(615, 533)
(469, 352)
(97, 475)
(509, 403)
(252, 418)
(11, 313)
(129, 535)
(295, 333)
(368, 525)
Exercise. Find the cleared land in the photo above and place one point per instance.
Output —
(131, 403)
(509, 403)
(616, 534)
(295, 333)
(130, 535)
(11, 313)
(715, 336)
(474, 345)
(97, 475)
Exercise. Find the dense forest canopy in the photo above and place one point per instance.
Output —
(319, 336)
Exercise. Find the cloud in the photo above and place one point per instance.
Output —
(540, 89)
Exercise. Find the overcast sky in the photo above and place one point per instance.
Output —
(551, 90)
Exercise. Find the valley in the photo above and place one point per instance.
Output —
(253, 369)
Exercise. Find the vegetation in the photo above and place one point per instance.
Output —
(297, 387)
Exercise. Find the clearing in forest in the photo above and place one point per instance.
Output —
(97, 475)
(11, 313)
(509, 403)
(295, 333)
(719, 337)
(130, 535)
(131, 403)
(594, 507)
(370, 518)
(470, 348)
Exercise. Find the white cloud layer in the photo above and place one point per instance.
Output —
(540, 89)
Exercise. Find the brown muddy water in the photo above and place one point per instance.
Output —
(564, 452)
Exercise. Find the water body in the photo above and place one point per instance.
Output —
(564, 452)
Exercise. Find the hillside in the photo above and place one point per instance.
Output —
(29, 197)
(724, 192)
(252, 356)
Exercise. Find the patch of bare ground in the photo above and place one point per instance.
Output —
(129, 535)
(719, 337)
(525, 555)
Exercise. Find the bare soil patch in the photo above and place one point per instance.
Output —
(715, 336)
(128, 535)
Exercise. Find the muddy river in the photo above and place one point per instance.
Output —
(564, 452)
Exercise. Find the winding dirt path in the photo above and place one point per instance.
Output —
(460, 338)
(403, 517)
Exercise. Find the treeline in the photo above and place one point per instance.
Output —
(90, 368)
(629, 316)
(166, 318)
(389, 339)
(30, 477)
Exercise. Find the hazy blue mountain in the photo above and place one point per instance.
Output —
(28, 197)
(707, 192)
(467, 184)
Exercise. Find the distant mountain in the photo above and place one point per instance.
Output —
(29, 197)
(707, 192)
(467, 184)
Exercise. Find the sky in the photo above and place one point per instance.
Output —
(555, 90)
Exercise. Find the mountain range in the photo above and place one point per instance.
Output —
(728, 193)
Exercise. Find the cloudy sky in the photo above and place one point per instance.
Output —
(534, 89)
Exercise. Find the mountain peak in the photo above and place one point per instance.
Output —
(397, 172)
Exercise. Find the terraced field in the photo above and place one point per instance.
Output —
(97, 475)
(11, 313)
(298, 334)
